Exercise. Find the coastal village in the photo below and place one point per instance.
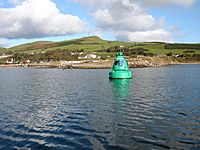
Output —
(86, 61)
(94, 52)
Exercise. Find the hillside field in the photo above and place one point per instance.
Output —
(49, 50)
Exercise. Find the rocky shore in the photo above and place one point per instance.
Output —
(138, 62)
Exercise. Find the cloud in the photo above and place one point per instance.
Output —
(124, 16)
(16, 2)
(184, 3)
(150, 36)
(37, 18)
(128, 21)
(94, 2)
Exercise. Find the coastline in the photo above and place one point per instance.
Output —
(139, 62)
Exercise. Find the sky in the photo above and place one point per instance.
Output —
(24, 21)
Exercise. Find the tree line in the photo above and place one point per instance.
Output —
(182, 46)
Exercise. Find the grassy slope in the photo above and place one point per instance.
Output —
(89, 44)
(92, 44)
(2, 50)
(28, 46)
(159, 49)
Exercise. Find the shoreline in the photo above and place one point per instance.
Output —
(86, 67)
(139, 62)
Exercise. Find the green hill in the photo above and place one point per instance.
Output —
(96, 44)
(71, 49)
(2, 50)
(29, 46)
(92, 43)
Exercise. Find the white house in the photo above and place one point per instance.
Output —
(88, 56)
(10, 61)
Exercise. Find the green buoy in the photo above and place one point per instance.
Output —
(120, 68)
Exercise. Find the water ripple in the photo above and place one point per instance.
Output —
(82, 109)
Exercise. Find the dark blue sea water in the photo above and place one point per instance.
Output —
(82, 109)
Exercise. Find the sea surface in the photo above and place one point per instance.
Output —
(82, 109)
